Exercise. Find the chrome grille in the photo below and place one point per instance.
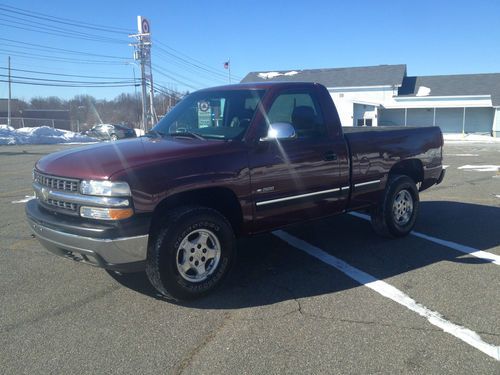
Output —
(59, 183)
(61, 204)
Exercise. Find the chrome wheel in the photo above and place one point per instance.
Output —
(402, 208)
(198, 255)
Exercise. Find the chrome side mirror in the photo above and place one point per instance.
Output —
(280, 131)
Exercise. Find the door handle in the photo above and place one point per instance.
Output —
(330, 155)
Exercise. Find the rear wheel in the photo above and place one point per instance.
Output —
(395, 215)
(191, 253)
(113, 137)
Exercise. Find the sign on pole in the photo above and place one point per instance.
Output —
(143, 25)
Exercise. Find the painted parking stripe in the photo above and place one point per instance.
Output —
(25, 199)
(466, 335)
(489, 257)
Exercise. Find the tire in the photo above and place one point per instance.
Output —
(395, 215)
(113, 137)
(191, 239)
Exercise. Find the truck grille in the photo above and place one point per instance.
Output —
(61, 204)
(59, 183)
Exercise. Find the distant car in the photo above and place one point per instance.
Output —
(110, 132)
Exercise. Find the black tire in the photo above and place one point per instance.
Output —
(113, 137)
(162, 263)
(384, 221)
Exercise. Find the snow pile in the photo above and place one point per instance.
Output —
(139, 132)
(458, 138)
(39, 135)
(271, 75)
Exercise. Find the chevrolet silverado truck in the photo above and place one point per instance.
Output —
(226, 162)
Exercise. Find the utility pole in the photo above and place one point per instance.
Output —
(8, 100)
(142, 53)
(151, 91)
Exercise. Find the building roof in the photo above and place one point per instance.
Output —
(454, 85)
(380, 75)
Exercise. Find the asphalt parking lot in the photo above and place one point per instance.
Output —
(326, 297)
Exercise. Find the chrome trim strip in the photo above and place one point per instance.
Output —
(79, 198)
(345, 188)
(367, 183)
(263, 203)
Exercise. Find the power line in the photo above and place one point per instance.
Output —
(60, 59)
(180, 76)
(198, 62)
(187, 68)
(62, 20)
(166, 90)
(44, 48)
(68, 85)
(65, 35)
(220, 75)
(156, 69)
(55, 30)
(61, 74)
(67, 81)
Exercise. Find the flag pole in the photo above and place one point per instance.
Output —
(229, 69)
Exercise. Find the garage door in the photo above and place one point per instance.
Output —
(477, 120)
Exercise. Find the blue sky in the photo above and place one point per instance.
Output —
(431, 37)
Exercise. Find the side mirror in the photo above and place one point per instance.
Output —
(280, 131)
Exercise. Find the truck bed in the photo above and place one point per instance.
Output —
(373, 150)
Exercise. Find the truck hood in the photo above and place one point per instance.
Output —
(100, 161)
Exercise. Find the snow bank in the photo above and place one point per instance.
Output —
(459, 138)
(271, 75)
(139, 132)
(40, 135)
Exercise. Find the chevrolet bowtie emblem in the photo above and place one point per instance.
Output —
(45, 194)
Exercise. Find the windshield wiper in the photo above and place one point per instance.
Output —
(186, 134)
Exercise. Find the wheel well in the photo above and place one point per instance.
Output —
(221, 199)
(412, 168)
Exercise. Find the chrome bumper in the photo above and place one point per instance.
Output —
(120, 254)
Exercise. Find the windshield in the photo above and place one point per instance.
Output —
(212, 114)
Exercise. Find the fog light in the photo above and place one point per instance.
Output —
(100, 213)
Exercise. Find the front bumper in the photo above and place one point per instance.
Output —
(100, 245)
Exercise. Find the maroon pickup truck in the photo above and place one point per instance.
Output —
(226, 162)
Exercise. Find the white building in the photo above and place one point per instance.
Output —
(385, 96)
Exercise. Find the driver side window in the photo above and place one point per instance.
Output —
(301, 110)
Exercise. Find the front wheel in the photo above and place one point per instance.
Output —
(395, 215)
(191, 253)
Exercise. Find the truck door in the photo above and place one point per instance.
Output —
(301, 178)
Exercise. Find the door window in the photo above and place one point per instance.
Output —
(302, 111)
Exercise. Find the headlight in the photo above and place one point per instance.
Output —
(105, 188)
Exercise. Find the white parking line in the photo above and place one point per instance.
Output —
(388, 291)
(462, 154)
(481, 168)
(490, 257)
(24, 200)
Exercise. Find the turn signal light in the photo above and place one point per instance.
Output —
(100, 213)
